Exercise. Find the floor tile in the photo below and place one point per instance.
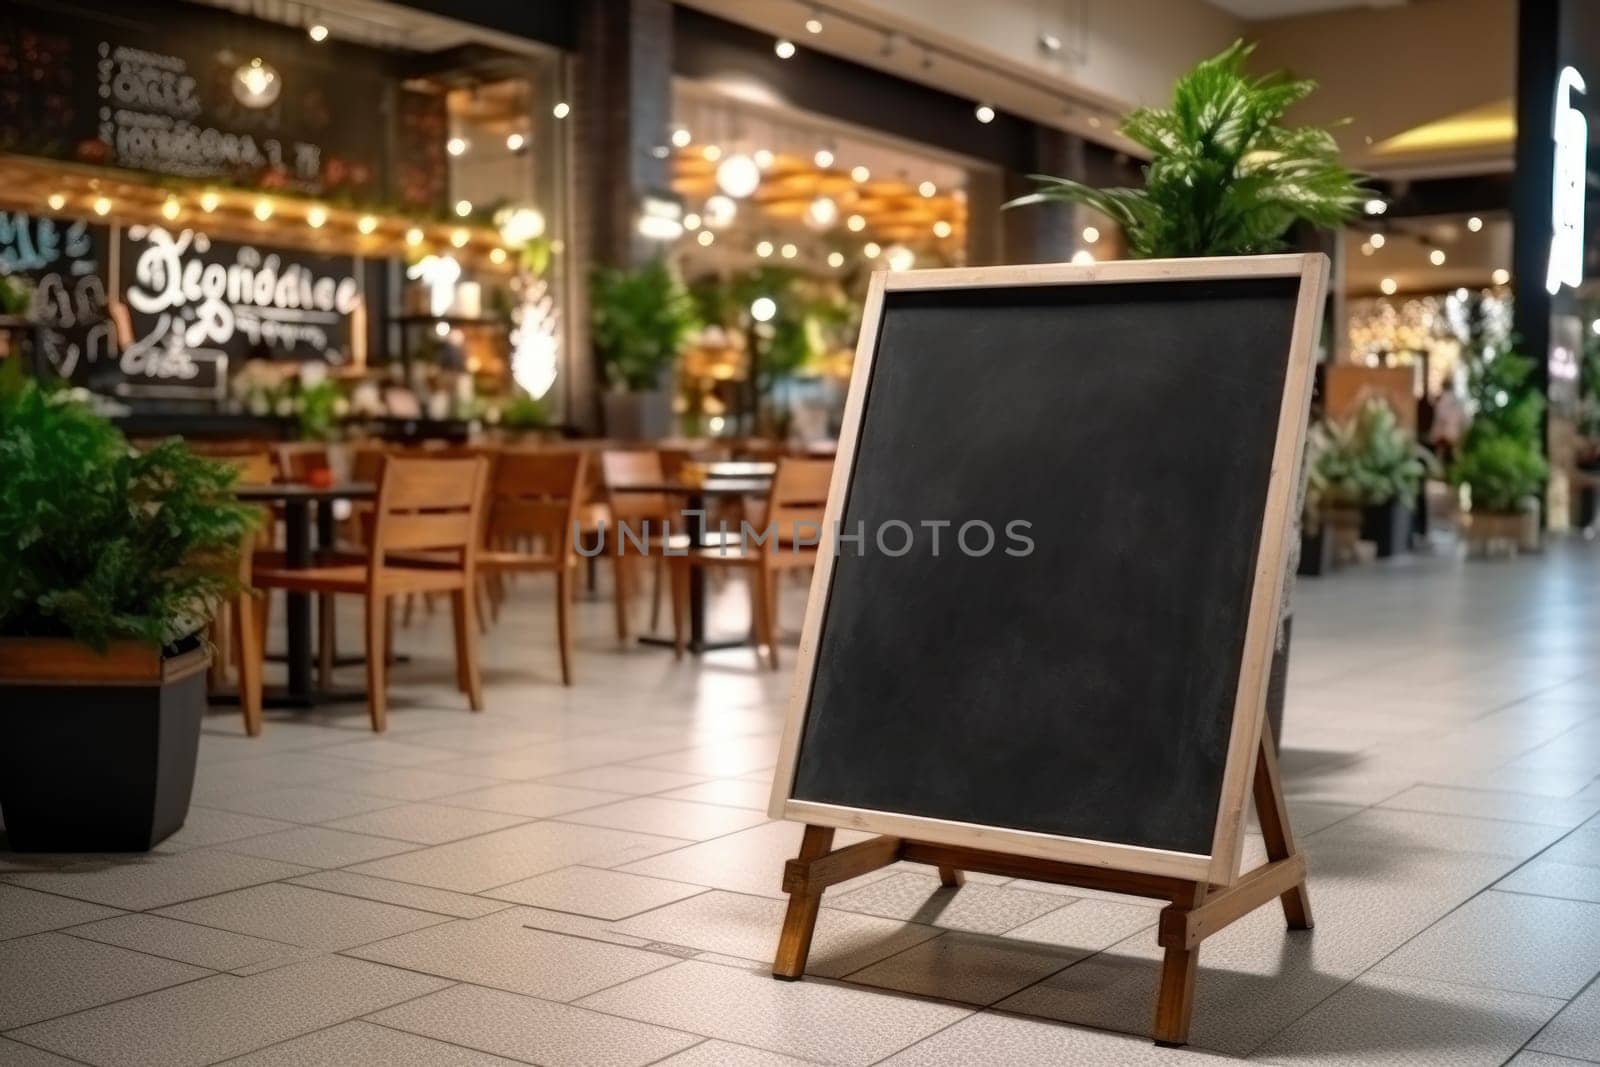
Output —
(1392, 1019)
(1511, 942)
(595, 891)
(725, 1054)
(733, 924)
(623, 778)
(674, 818)
(1395, 831)
(1547, 878)
(1526, 1058)
(15, 1054)
(410, 783)
(532, 800)
(51, 974)
(1485, 804)
(316, 846)
(994, 1037)
(426, 824)
(406, 895)
(750, 861)
(811, 1019)
(224, 1015)
(24, 911)
(302, 804)
(975, 907)
(1086, 925)
(970, 968)
(212, 826)
(1575, 1031)
(140, 883)
(534, 1031)
(349, 1044)
(512, 855)
(500, 952)
(732, 792)
(202, 946)
(721, 759)
(1581, 847)
(300, 916)
(389, 751)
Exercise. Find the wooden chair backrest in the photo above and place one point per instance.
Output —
(535, 495)
(634, 467)
(366, 464)
(297, 461)
(429, 505)
(253, 468)
(797, 499)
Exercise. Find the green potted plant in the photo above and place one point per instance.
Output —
(1226, 177)
(114, 560)
(1500, 460)
(1316, 536)
(641, 321)
(1373, 469)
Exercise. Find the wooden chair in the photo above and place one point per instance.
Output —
(794, 508)
(244, 616)
(639, 513)
(533, 510)
(426, 529)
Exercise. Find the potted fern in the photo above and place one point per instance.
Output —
(1500, 461)
(114, 559)
(641, 320)
(1226, 177)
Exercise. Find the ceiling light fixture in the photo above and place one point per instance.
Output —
(783, 48)
(1474, 224)
(1389, 286)
(984, 113)
(1375, 206)
(561, 110)
(463, 208)
(814, 22)
(738, 176)
(681, 137)
(1377, 240)
(860, 175)
(457, 146)
(823, 159)
(720, 211)
(927, 189)
(1090, 235)
(942, 229)
(705, 237)
(871, 250)
(515, 141)
(1501, 276)
(1437, 257)
(836, 259)
(317, 32)
(256, 83)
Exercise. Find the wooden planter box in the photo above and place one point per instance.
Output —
(1490, 533)
(97, 751)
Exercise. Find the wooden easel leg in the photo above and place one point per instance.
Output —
(794, 943)
(1175, 995)
(1273, 814)
(952, 877)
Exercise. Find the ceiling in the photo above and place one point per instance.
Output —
(1278, 9)
(1471, 256)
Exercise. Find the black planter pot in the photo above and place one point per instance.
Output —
(97, 752)
(1316, 551)
(1388, 526)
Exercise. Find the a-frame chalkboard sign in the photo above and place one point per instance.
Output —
(1039, 645)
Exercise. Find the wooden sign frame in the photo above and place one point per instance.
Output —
(1205, 891)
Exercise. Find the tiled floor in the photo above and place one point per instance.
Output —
(586, 876)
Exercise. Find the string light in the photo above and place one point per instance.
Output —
(823, 159)
(860, 175)
(1474, 224)
(457, 146)
(927, 189)
(366, 224)
(764, 249)
(789, 251)
(1437, 257)
(56, 201)
(1501, 276)
(941, 228)
(763, 158)
(711, 152)
(835, 259)
(102, 206)
(1091, 235)
(413, 237)
(1389, 286)
(463, 208)
(1083, 257)
(1375, 207)
(871, 250)
(497, 256)
(681, 137)
(316, 216)
(459, 238)
(855, 223)
(691, 221)
(170, 208)
(705, 237)
(208, 202)
(1377, 240)
(263, 209)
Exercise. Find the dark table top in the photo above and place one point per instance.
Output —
(710, 487)
(286, 492)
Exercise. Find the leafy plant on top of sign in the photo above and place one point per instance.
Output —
(1225, 176)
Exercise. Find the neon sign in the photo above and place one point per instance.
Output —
(1571, 132)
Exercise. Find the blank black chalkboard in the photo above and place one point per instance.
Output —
(1086, 688)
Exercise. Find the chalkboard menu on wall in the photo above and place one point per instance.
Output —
(64, 260)
(165, 88)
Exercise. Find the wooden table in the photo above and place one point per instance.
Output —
(297, 501)
(721, 480)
